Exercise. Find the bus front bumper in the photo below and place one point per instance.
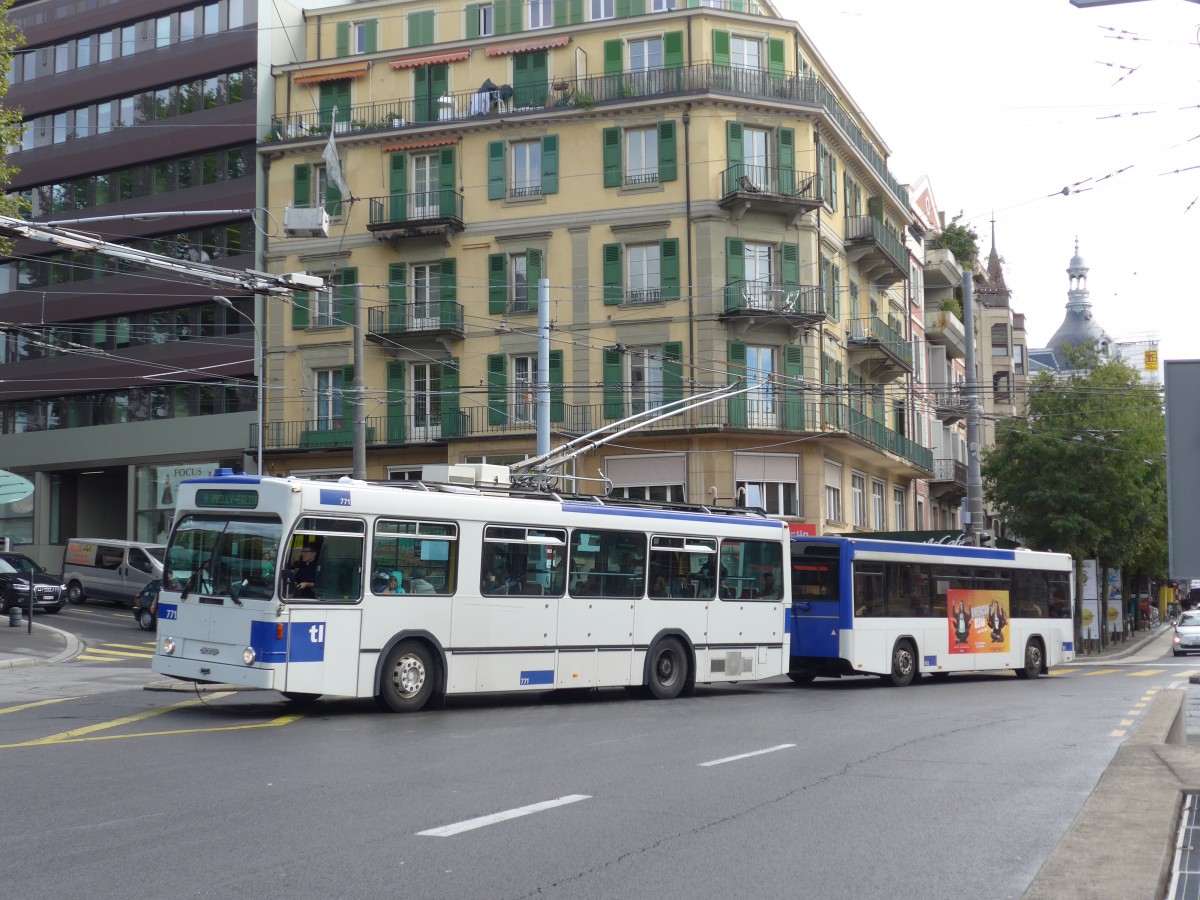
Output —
(209, 672)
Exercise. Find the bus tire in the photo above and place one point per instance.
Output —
(801, 677)
(1033, 660)
(408, 677)
(904, 664)
(668, 669)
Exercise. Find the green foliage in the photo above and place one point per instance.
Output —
(962, 241)
(953, 305)
(10, 121)
(1085, 471)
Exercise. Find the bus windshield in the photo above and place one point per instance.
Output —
(815, 572)
(224, 556)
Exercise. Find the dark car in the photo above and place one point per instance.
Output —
(145, 605)
(17, 574)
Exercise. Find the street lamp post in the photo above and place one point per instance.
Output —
(262, 363)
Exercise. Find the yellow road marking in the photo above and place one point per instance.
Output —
(1102, 672)
(66, 736)
(1134, 712)
(1120, 732)
(147, 647)
(274, 723)
(1127, 723)
(24, 706)
(1147, 672)
(87, 658)
(121, 654)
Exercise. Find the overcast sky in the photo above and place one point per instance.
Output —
(1003, 103)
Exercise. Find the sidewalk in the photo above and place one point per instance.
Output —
(45, 645)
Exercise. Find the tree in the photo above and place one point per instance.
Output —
(10, 120)
(960, 240)
(1084, 472)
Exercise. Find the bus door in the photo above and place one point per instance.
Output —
(322, 649)
(816, 601)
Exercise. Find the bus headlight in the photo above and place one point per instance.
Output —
(248, 656)
(168, 646)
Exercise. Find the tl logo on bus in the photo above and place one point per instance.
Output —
(306, 642)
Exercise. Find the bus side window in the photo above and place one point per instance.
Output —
(869, 590)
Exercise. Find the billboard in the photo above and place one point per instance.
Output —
(1183, 467)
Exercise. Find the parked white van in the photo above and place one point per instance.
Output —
(103, 569)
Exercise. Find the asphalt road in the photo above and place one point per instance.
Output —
(956, 789)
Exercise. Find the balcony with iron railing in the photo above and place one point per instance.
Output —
(880, 255)
(768, 189)
(416, 214)
(949, 479)
(790, 302)
(949, 405)
(877, 348)
(428, 317)
(582, 93)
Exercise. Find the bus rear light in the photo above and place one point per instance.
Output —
(248, 656)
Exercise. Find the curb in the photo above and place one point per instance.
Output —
(73, 647)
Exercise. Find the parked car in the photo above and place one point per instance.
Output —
(19, 574)
(145, 605)
(1187, 633)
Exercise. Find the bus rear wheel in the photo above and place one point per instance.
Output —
(904, 665)
(668, 670)
(408, 677)
(801, 677)
(1033, 660)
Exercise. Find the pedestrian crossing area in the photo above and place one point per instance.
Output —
(1126, 671)
(118, 653)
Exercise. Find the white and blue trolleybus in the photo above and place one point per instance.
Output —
(897, 610)
(411, 591)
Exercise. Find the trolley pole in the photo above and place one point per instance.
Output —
(974, 523)
(543, 368)
(360, 406)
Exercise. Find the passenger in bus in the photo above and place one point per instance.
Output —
(769, 590)
(418, 582)
(395, 583)
(305, 572)
(1058, 606)
(499, 581)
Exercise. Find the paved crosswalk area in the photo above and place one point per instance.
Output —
(118, 652)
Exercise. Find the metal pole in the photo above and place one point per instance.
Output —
(261, 353)
(360, 407)
(543, 368)
(974, 525)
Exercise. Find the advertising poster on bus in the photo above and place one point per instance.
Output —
(978, 621)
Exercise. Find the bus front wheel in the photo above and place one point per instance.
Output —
(408, 677)
(668, 670)
(801, 677)
(1033, 660)
(904, 665)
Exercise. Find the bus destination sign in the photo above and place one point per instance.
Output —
(226, 498)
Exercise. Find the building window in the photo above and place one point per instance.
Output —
(833, 492)
(1001, 391)
(643, 275)
(541, 13)
(777, 498)
(360, 37)
(745, 53)
(655, 493)
(757, 286)
(645, 378)
(999, 339)
(858, 498)
(878, 513)
(479, 20)
(1019, 359)
(663, 5)
(525, 376)
(327, 413)
(518, 283)
(601, 9)
(898, 514)
(641, 156)
(920, 514)
(321, 311)
(760, 372)
(646, 54)
(526, 169)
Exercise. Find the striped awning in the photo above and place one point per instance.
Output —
(529, 46)
(429, 59)
(420, 145)
(315, 75)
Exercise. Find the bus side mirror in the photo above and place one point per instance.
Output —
(287, 584)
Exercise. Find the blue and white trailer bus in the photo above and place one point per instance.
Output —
(408, 592)
(897, 610)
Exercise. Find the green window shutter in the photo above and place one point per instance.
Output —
(720, 48)
(668, 271)
(333, 199)
(623, 9)
(397, 294)
(614, 287)
(735, 150)
(560, 13)
(497, 368)
(344, 407)
(497, 284)
(500, 17)
(736, 367)
(420, 28)
(637, 7)
(301, 181)
(533, 270)
(395, 402)
(300, 303)
(473, 20)
(673, 50)
(343, 39)
(550, 164)
(614, 57)
(576, 7)
(735, 272)
(452, 420)
(837, 291)
(614, 388)
(439, 81)
(833, 190)
(448, 291)
(496, 170)
(672, 371)
(557, 409)
(516, 20)
(371, 34)
(666, 151)
(612, 157)
(785, 140)
(446, 172)
(793, 396)
(875, 208)
(398, 185)
(789, 256)
(424, 109)
(775, 60)
(820, 172)
(346, 296)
